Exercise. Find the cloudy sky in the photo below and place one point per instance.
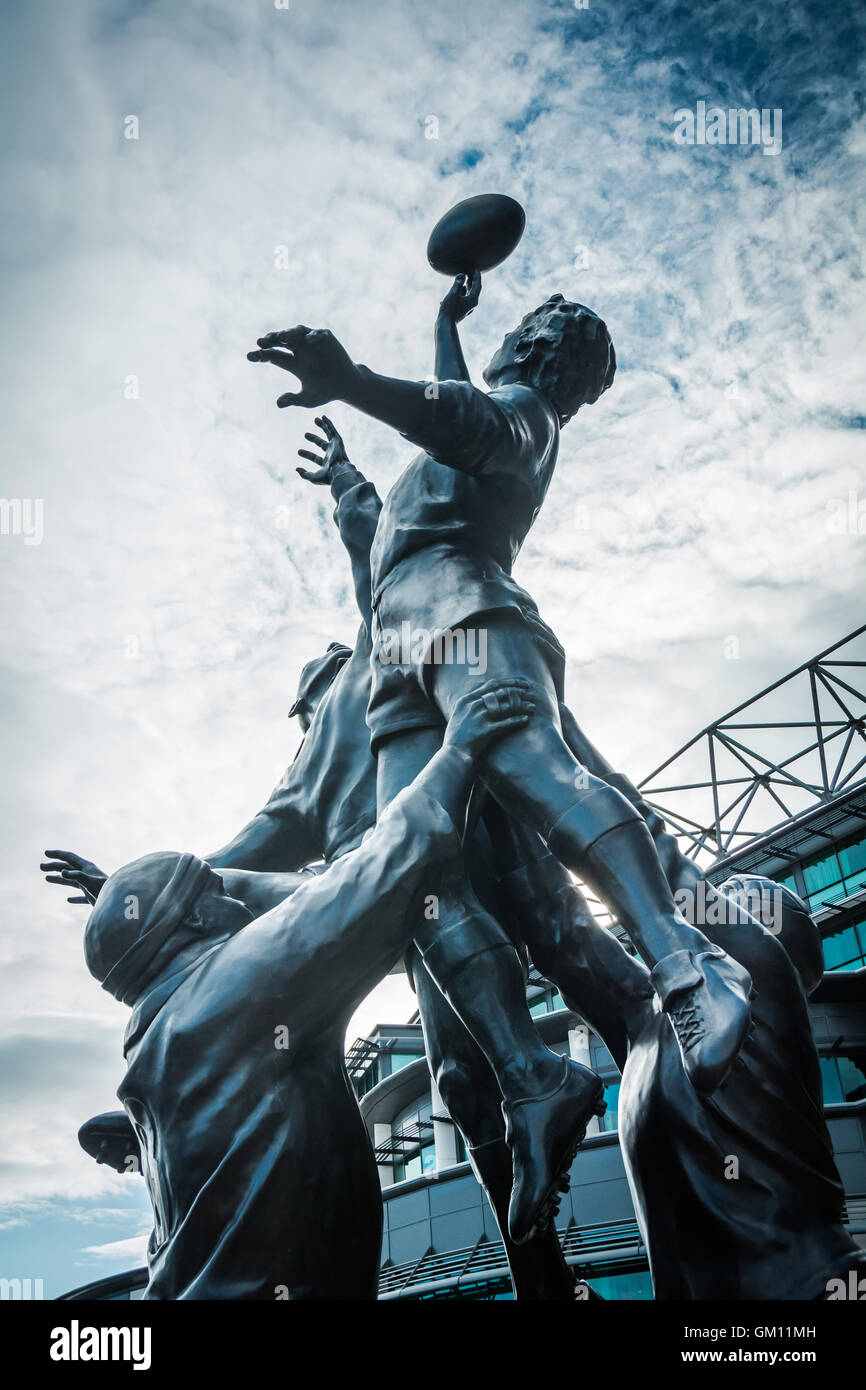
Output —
(288, 166)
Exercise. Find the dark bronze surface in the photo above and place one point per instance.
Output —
(244, 969)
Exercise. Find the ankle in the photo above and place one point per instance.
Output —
(671, 934)
(530, 1076)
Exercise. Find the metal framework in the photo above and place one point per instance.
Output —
(801, 744)
(610, 1244)
(411, 1139)
(361, 1056)
(608, 1247)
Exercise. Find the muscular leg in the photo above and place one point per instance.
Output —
(598, 834)
(547, 1099)
(470, 956)
(682, 874)
(594, 974)
(469, 1090)
(536, 777)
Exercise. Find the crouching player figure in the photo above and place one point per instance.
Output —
(259, 1168)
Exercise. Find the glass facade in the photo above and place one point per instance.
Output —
(836, 873)
(402, 1059)
(824, 879)
(414, 1126)
(843, 1080)
(389, 1060)
(549, 1001)
(608, 1120)
(637, 1284)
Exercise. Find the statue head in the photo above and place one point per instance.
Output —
(785, 915)
(562, 349)
(152, 912)
(316, 680)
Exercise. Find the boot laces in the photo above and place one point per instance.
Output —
(687, 1019)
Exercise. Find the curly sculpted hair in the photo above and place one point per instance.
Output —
(565, 351)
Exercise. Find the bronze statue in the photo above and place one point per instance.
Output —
(321, 808)
(445, 543)
(737, 1195)
(243, 969)
(259, 1169)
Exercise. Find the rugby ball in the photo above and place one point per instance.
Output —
(477, 234)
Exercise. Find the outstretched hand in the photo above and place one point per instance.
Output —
(333, 453)
(321, 363)
(488, 713)
(462, 297)
(71, 871)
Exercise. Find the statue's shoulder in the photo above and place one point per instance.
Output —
(529, 406)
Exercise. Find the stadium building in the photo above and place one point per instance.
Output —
(775, 787)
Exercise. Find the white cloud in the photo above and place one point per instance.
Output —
(132, 1251)
(154, 638)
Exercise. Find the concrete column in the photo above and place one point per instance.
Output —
(579, 1051)
(444, 1136)
(381, 1135)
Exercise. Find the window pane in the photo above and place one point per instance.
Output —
(557, 1001)
(611, 1095)
(852, 1078)
(632, 1286)
(827, 895)
(402, 1059)
(830, 1078)
(853, 858)
(412, 1169)
(821, 874)
(841, 949)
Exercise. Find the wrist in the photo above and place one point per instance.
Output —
(353, 384)
(343, 476)
(459, 751)
(449, 777)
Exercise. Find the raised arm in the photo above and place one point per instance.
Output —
(458, 303)
(452, 421)
(281, 838)
(358, 505)
(319, 953)
(262, 891)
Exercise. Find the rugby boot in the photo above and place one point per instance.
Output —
(544, 1134)
(705, 994)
